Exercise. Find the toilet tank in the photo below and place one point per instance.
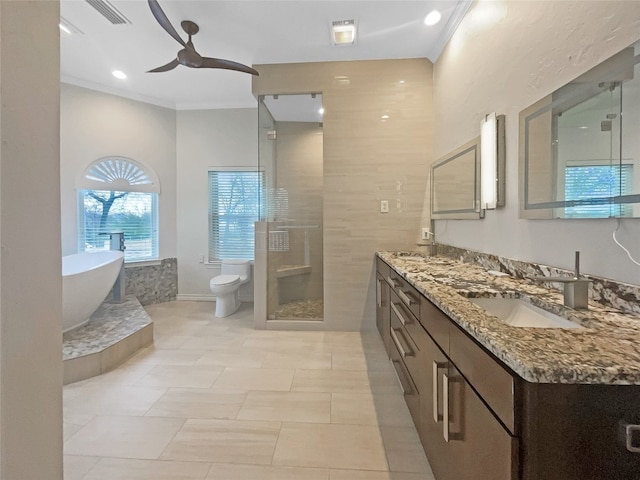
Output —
(236, 267)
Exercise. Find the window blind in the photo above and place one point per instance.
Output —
(598, 182)
(235, 203)
(134, 213)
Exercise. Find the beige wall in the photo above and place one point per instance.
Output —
(366, 159)
(95, 125)
(30, 263)
(207, 138)
(504, 57)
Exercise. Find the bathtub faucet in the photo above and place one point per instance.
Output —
(116, 242)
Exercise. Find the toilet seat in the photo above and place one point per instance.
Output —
(224, 280)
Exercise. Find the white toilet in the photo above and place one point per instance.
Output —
(227, 285)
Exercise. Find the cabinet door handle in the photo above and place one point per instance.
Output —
(396, 340)
(630, 430)
(405, 298)
(445, 407)
(435, 386)
(398, 314)
(379, 292)
(394, 283)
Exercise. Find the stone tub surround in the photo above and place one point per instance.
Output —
(114, 333)
(155, 282)
(606, 351)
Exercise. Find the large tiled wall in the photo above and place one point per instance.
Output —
(298, 170)
(377, 146)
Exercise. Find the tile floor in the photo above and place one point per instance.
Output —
(214, 399)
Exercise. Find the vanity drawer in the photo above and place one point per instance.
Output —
(436, 323)
(408, 294)
(409, 390)
(382, 268)
(405, 317)
(410, 340)
(487, 376)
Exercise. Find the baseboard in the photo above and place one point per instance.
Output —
(193, 297)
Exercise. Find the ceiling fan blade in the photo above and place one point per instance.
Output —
(165, 68)
(164, 21)
(226, 64)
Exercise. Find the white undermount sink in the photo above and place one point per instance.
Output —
(518, 313)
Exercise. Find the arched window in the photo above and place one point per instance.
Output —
(118, 194)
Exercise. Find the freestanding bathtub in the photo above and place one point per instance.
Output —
(87, 278)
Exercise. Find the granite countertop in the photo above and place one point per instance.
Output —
(605, 351)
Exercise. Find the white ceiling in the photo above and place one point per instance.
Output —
(251, 32)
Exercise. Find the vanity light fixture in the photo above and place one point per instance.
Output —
(492, 162)
(343, 32)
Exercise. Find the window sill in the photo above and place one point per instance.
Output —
(143, 263)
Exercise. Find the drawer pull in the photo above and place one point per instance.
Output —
(379, 293)
(398, 314)
(405, 298)
(435, 386)
(396, 340)
(445, 407)
(395, 370)
(630, 430)
(394, 283)
(396, 367)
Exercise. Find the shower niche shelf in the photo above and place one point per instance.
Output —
(292, 270)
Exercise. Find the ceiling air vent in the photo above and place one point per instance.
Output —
(108, 11)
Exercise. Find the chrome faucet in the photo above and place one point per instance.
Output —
(576, 288)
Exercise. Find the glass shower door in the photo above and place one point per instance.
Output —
(291, 156)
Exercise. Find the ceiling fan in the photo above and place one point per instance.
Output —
(188, 55)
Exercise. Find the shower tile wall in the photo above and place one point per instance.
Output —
(298, 171)
(378, 125)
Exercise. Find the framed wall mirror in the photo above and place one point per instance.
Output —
(455, 184)
(580, 146)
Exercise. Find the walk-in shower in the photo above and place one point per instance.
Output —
(289, 241)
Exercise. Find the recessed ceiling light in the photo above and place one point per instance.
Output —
(119, 74)
(432, 18)
(343, 32)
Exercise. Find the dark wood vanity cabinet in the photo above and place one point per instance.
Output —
(479, 420)
(461, 435)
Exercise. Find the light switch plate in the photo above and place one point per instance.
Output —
(425, 233)
(384, 206)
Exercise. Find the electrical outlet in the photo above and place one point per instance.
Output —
(201, 258)
(384, 206)
(425, 233)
